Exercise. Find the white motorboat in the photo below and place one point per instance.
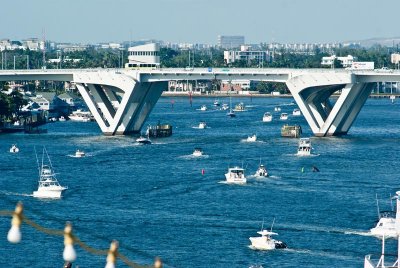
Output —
(368, 263)
(80, 116)
(203, 108)
(235, 175)
(261, 171)
(224, 107)
(202, 125)
(79, 153)
(217, 102)
(267, 117)
(304, 147)
(265, 241)
(62, 119)
(386, 225)
(239, 107)
(277, 109)
(296, 112)
(143, 140)
(14, 149)
(231, 113)
(284, 116)
(48, 184)
(197, 152)
(252, 138)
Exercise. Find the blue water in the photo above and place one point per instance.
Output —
(155, 201)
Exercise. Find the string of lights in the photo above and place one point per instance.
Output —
(69, 254)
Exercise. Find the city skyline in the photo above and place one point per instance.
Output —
(198, 21)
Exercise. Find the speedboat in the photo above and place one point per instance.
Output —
(224, 107)
(143, 140)
(277, 109)
(266, 242)
(202, 125)
(80, 116)
(304, 147)
(267, 117)
(296, 112)
(235, 175)
(62, 119)
(216, 102)
(239, 107)
(386, 225)
(79, 153)
(197, 152)
(261, 171)
(14, 149)
(48, 183)
(231, 114)
(252, 138)
(284, 116)
(203, 108)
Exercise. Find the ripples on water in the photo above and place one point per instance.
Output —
(156, 202)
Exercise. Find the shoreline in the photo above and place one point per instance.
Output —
(218, 95)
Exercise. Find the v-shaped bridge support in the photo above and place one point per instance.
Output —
(325, 118)
(119, 107)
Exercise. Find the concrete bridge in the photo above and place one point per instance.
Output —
(121, 100)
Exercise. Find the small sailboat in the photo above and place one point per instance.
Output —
(235, 175)
(230, 113)
(267, 117)
(48, 183)
(14, 149)
(79, 153)
(265, 241)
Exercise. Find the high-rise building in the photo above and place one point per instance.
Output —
(230, 41)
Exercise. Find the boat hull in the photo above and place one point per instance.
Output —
(48, 192)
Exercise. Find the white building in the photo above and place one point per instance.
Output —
(33, 44)
(144, 56)
(246, 54)
(345, 61)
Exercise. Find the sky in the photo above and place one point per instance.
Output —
(199, 21)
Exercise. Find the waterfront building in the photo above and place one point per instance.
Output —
(230, 41)
(246, 54)
(189, 86)
(33, 44)
(144, 56)
(238, 85)
(345, 61)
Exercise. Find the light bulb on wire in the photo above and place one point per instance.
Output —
(112, 254)
(69, 253)
(14, 235)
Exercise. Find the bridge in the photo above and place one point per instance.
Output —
(121, 99)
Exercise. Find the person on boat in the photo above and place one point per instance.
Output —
(315, 169)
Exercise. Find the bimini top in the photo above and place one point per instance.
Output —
(266, 233)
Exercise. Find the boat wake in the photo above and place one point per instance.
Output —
(74, 156)
(190, 156)
(361, 233)
(232, 183)
(196, 127)
(12, 193)
(247, 141)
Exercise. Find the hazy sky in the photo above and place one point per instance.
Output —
(199, 21)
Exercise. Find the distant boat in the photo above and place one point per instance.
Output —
(143, 140)
(48, 184)
(277, 109)
(224, 107)
(203, 108)
(14, 149)
(79, 153)
(239, 107)
(304, 148)
(265, 241)
(216, 102)
(230, 113)
(197, 152)
(291, 131)
(202, 125)
(261, 171)
(80, 116)
(284, 116)
(62, 119)
(296, 112)
(235, 175)
(267, 117)
(252, 138)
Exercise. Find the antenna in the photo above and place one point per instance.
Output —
(377, 206)
(272, 224)
(391, 202)
(37, 160)
(44, 48)
(262, 225)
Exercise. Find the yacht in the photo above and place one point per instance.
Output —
(203, 108)
(267, 117)
(265, 241)
(197, 152)
(304, 147)
(277, 109)
(14, 149)
(252, 138)
(80, 116)
(386, 225)
(235, 175)
(48, 184)
(143, 140)
(202, 125)
(261, 171)
(284, 116)
(79, 153)
(368, 263)
(296, 112)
